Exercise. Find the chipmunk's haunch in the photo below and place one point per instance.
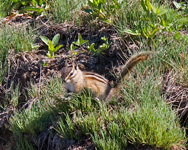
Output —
(76, 80)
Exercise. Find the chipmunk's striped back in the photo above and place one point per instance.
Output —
(95, 76)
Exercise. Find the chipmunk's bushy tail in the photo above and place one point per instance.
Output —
(133, 61)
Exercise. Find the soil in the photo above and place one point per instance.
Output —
(27, 67)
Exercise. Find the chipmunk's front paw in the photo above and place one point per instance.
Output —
(68, 94)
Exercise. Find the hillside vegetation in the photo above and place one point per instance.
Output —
(37, 39)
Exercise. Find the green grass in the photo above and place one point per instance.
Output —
(64, 11)
(36, 118)
(142, 118)
(31, 121)
(17, 38)
(172, 55)
(152, 120)
(4, 8)
(139, 23)
(14, 40)
(146, 120)
(151, 126)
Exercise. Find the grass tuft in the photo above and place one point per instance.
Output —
(13, 40)
(63, 10)
(146, 120)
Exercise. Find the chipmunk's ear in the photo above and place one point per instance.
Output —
(67, 63)
(74, 66)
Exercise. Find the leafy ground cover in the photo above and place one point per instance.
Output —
(151, 111)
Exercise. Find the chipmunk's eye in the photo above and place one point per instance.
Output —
(71, 74)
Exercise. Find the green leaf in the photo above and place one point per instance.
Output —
(104, 38)
(72, 47)
(56, 48)
(50, 46)
(41, 2)
(104, 46)
(163, 23)
(34, 46)
(45, 64)
(34, 2)
(96, 2)
(49, 54)
(31, 8)
(83, 41)
(15, 1)
(55, 39)
(44, 39)
(23, 3)
(98, 51)
(91, 47)
(177, 5)
(148, 5)
(145, 32)
(154, 31)
(157, 11)
(80, 40)
(128, 31)
(74, 53)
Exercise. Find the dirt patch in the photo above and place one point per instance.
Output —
(27, 67)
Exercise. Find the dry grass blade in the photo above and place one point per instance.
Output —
(176, 95)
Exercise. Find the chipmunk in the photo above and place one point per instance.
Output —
(76, 80)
